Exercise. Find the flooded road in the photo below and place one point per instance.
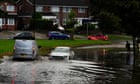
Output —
(89, 66)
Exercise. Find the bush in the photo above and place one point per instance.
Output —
(40, 24)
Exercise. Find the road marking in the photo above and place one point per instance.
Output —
(14, 69)
(33, 74)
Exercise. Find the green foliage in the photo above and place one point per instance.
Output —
(3, 13)
(117, 15)
(41, 24)
(82, 29)
(71, 21)
(109, 22)
(37, 15)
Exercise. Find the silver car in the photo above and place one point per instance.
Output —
(62, 52)
(27, 49)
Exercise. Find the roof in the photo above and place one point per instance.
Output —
(11, 1)
(61, 2)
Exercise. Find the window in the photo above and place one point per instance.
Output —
(66, 9)
(81, 10)
(0, 21)
(39, 9)
(1, 7)
(10, 8)
(3, 20)
(11, 21)
(54, 9)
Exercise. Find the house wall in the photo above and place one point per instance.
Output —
(10, 14)
(25, 7)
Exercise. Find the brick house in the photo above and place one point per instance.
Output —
(56, 10)
(8, 21)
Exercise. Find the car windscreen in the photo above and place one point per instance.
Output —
(24, 43)
(61, 50)
(24, 35)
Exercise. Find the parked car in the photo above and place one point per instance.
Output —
(99, 36)
(57, 35)
(27, 49)
(62, 52)
(24, 35)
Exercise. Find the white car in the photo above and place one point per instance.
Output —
(62, 52)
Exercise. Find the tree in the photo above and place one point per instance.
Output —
(109, 22)
(104, 12)
(37, 23)
(70, 23)
(131, 18)
(3, 13)
(118, 15)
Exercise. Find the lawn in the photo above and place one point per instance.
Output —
(119, 37)
(6, 46)
(71, 43)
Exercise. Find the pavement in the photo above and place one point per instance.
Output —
(10, 34)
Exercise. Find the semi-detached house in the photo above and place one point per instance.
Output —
(8, 20)
(56, 10)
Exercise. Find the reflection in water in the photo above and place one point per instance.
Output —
(109, 66)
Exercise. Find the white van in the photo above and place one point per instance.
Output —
(27, 49)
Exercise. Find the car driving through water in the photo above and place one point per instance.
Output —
(62, 52)
(25, 47)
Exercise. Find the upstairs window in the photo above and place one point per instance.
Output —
(54, 9)
(81, 10)
(67, 9)
(39, 9)
(10, 8)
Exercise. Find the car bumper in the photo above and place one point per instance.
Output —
(22, 56)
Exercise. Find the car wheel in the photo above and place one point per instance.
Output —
(51, 58)
(66, 38)
(89, 39)
(50, 38)
(14, 59)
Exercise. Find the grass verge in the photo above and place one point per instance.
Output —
(6, 46)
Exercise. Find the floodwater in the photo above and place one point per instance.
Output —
(110, 66)
(89, 66)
